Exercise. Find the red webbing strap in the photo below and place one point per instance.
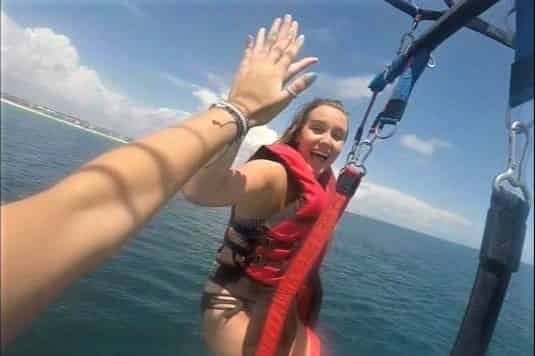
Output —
(304, 260)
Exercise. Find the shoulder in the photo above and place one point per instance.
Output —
(266, 186)
(267, 173)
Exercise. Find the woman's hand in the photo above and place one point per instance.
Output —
(267, 64)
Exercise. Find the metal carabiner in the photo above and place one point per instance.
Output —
(408, 38)
(359, 153)
(513, 173)
(432, 62)
(364, 149)
(379, 130)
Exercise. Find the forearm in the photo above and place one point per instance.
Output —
(207, 186)
(51, 239)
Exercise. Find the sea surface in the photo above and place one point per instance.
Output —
(388, 290)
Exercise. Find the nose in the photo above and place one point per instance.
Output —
(326, 141)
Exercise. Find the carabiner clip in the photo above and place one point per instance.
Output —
(359, 153)
(515, 161)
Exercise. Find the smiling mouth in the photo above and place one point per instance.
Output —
(319, 155)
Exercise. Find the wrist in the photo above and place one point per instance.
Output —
(246, 110)
(241, 121)
(240, 106)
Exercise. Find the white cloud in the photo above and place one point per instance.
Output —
(44, 67)
(353, 87)
(342, 88)
(423, 146)
(257, 136)
(206, 96)
(388, 204)
(218, 82)
(178, 82)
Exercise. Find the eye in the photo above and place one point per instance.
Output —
(339, 135)
(317, 129)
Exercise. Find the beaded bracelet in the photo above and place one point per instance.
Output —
(237, 115)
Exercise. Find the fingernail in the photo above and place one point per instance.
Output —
(301, 38)
(310, 77)
(287, 17)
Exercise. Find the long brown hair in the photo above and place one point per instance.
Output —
(289, 136)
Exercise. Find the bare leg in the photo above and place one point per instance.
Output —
(225, 337)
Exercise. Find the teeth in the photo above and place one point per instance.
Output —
(320, 156)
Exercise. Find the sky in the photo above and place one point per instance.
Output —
(136, 67)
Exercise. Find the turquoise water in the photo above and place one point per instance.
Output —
(388, 291)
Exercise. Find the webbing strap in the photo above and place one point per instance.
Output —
(305, 260)
(395, 107)
(390, 74)
(521, 89)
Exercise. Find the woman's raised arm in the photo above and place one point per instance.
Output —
(51, 239)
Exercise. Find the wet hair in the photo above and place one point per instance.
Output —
(289, 136)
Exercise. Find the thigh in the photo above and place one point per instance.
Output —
(299, 346)
(224, 336)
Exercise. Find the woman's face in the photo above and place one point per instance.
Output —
(322, 137)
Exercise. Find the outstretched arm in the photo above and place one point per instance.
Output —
(218, 184)
(53, 238)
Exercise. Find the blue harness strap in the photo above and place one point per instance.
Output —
(395, 107)
(390, 74)
(521, 88)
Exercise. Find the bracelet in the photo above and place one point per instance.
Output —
(237, 115)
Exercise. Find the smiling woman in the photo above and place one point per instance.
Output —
(276, 197)
(316, 118)
(129, 184)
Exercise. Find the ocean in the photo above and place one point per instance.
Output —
(387, 290)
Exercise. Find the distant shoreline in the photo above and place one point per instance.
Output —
(9, 102)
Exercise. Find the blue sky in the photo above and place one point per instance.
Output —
(139, 66)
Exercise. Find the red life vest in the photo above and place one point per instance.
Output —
(282, 234)
(254, 256)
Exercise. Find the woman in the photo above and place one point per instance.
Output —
(275, 197)
(56, 228)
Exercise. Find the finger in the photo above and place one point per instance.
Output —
(284, 43)
(274, 32)
(279, 49)
(299, 85)
(291, 52)
(294, 30)
(248, 49)
(285, 27)
(299, 66)
(260, 39)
